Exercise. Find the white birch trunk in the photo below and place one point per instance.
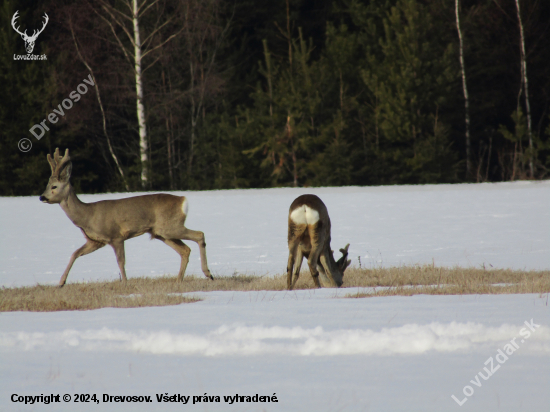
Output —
(526, 88)
(465, 91)
(143, 143)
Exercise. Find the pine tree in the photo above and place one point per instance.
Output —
(409, 73)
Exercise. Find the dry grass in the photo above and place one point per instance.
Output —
(430, 275)
(429, 280)
(163, 291)
(86, 296)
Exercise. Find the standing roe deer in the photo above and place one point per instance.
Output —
(114, 221)
(309, 236)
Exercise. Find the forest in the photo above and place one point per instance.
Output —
(210, 94)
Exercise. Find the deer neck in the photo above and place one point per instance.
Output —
(74, 208)
(331, 262)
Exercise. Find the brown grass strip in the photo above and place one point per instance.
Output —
(542, 287)
(87, 296)
(428, 280)
(163, 291)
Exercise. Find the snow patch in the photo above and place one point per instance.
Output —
(240, 340)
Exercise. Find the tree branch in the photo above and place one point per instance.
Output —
(113, 155)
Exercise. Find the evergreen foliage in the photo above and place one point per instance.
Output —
(277, 93)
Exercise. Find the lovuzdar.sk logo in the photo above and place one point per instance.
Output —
(29, 40)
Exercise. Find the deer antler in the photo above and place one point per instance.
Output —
(343, 262)
(15, 16)
(58, 162)
(344, 251)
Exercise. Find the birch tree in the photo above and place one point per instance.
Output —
(465, 91)
(129, 21)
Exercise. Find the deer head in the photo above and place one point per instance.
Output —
(335, 268)
(58, 186)
(29, 40)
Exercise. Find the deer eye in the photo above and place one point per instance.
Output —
(54, 187)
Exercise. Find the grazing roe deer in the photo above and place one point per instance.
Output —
(309, 236)
(111, 222)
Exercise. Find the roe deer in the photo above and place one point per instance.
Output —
(309, 236)
(111, 222)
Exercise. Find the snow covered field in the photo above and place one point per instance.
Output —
(314, 349)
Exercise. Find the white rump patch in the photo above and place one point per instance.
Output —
(185, 206)
(304, 215)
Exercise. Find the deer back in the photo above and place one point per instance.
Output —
(133, 216)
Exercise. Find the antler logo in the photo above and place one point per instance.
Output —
(29, 40)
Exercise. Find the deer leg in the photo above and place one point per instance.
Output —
(118, 247)
(198, 237)
(183, 250)
(323, 279)
(312, 263)
(297, 266)
(316, 250)
(89, 247)
(292, 247)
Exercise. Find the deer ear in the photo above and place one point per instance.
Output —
(65, 173)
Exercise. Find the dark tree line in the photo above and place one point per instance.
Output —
(212, 94)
